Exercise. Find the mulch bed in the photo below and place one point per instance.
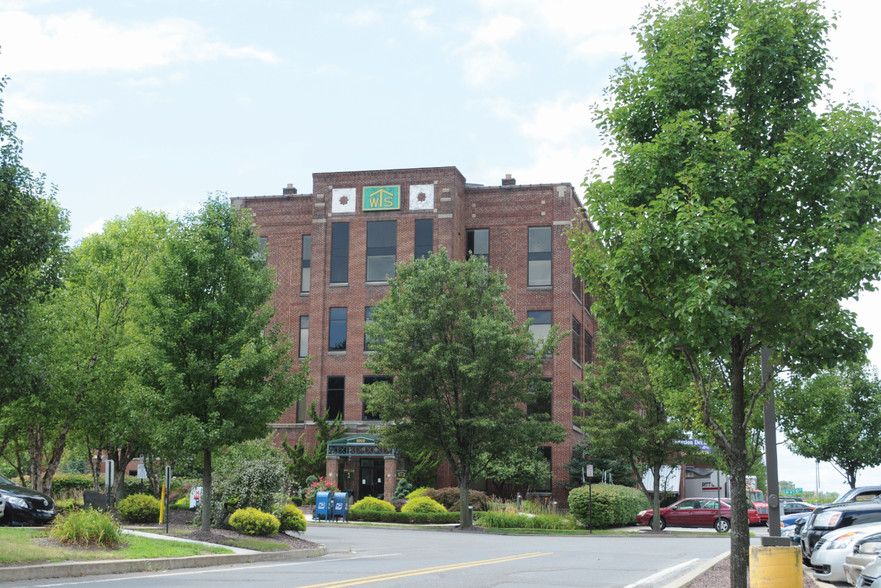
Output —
(719, 576)
(182, 520)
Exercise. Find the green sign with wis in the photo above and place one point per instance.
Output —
(381, 198)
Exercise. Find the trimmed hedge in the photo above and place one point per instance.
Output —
(371, 504)
(613, 506)
(423, 504)
(251, 521)
(416, 518)
(139, 508)
(449, 497)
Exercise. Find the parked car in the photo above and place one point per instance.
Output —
(23, 506)
(871, 576)
(865, 551)
(831, 551)
(788, 508)
(837, 516)
(792, 524)
(697, 512)
(859, 494)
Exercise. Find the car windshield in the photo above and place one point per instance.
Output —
(5, 480)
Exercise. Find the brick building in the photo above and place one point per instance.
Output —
(333, 248)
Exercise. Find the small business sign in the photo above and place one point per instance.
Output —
(381, 198)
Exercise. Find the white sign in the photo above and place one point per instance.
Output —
(588, 471)
(142, 472)
(195, 495)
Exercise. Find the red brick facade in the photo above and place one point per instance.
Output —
(507, 211)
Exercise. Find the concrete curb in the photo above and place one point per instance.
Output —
(125, 566)
(689, 577)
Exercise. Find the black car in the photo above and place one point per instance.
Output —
(23, 506)
(836, 516)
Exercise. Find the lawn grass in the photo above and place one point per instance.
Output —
(17, 546)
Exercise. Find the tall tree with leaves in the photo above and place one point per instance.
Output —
(738, 213)
(626, 414)
(223, 372)
(833, 416)
(302, 461)
(463, 370)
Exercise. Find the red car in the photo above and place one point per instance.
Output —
(697, 512)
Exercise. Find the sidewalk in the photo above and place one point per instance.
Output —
(71, 569)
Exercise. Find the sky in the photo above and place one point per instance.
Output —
(158, 103)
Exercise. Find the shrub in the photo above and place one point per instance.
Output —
(423, 504)
(247, 484)
(449, 497)
(419, 518)
(292, 519)
(139, 508)
(370, 504)
(417, 492)
(181, 503)
(86, 527)
(613, 506)
(254, 522)
(297, 500)
(399, 503)
(318, 485)
(403, 489)
(508, 520)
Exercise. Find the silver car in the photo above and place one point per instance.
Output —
(871, 576)
(831, 551)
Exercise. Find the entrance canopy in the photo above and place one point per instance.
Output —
(359, 445)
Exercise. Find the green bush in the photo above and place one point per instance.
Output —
(449, 497)
(246, 484)
(182, 503)
(320, 484)
(370, 504)
(254, 522)
(86, 527)
(417, 493)
(403, 489)
(292, 519)
(423, 504)
(417, 518)
(613, 506)
(139, 508)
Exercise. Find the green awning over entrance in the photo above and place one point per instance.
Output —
(358, 445)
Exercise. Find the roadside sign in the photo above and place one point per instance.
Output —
(791, 491)
(142, 472)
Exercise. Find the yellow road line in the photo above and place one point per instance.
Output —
(423, 571)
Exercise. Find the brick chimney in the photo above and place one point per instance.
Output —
(508, 180)
(289, 190)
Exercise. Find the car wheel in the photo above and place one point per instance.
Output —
(722, 525)
(662, 524)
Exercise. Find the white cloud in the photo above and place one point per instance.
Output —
(78, 41)
(96, 227)
(559, 121)
(363, 17)
(419, 20)
(483, 57)
(20, 108)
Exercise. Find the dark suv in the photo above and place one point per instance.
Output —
(836, 516)
(23, 506)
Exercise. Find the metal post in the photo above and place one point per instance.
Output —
(771, 457)
(167, 492)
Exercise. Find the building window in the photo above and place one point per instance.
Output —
(301, 410)
(306, 265)
(577, 350)
(539, 256)
(382, 248)
(577, 287)
(337, 329)
(304, 336)
(423, 238)
(368, 310)
(477, 244)
(588, 348)
(541, 323)
(262, 249)
(367, 416)
(577, 410)
(339, 253)
(336, 397)
(541, 404)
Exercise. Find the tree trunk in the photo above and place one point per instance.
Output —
(35, 455)
(54, 460)
(464, 502)
(205, 499)
(656, 498)
(737, 464)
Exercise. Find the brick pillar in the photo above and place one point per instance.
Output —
(333, 470)
(391, 482)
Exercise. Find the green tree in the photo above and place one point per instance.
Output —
(221, 371)
(32, 247)
(626, 415)
(833, 416)
(463, 371)
(738, 212)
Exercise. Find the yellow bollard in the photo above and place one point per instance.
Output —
(162, 507)
(775, 567)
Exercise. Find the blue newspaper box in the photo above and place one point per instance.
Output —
(340, 506)
(323, 506)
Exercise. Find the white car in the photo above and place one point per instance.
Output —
(871, 576)
(831, 551)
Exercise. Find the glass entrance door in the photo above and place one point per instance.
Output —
(370, 482)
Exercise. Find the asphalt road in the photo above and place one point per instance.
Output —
(395, 557)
